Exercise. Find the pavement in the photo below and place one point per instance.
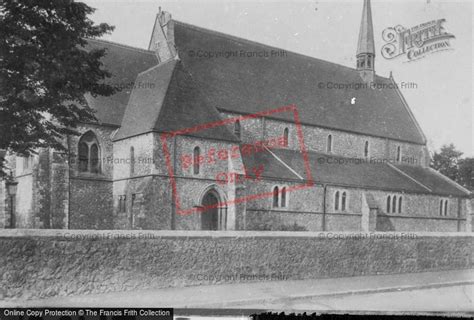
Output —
(255, 294)
(449, 300)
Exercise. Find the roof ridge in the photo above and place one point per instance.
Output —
(240, 40)
(125, 46)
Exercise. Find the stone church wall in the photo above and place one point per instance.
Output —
(142, 183)
(90, 204)
(212, 174)
(304, 211)
(46, 199)
(148, 203)
(90, 194)
(150, 186)
(343, 143)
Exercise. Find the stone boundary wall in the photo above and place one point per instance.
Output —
(43, 263)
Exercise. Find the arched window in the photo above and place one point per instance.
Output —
(441, 207)
(283, 197)
(399, 154)
(445, 207)
(336, 201)
(394, 204)
(286, 132)
(360, 61)
(366, 149)
(388, 204)
(196, 160)
(343, 201)
(132, 161)
(400, 205)
(275, 197)
(122, 203)
(329, 144)
(89, 153)
(237, 128)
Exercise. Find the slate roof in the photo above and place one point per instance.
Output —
(336, 170)
(272, 168)
(433, 180)
(125, 63)
(170, 102)
(250, 85)
(185, 107)
(185, 93)
(344, 171)
(145, 103)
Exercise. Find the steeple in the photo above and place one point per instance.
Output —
(365, 48)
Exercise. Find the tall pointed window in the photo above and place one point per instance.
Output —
(343, 201)
(400, 205)
(132, 161)
(286, 132)
(89, 153)
(443, 207)
(394, 204)
(196, 160)
(122, 207)
(283, 197)
(399, 154)
(336, 201)
(388, 204)
(275, 197)
(366, 149)
(237, 129)
(329, 144)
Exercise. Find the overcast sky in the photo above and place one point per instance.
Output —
(442, 101)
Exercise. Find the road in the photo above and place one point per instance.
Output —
(447, 299)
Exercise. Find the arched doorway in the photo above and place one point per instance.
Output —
(213, 215)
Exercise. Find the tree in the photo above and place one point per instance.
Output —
(45, 71)
(466, 173)
(446, 161)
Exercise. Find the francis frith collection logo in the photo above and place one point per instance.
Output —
(416, 42)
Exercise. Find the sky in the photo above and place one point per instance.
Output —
(328, 30)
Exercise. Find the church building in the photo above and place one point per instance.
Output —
(170, 150)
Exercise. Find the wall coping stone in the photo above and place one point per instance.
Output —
(66, 234)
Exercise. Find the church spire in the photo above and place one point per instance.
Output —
(365, 48)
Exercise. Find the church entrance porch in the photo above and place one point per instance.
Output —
(213, 215)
